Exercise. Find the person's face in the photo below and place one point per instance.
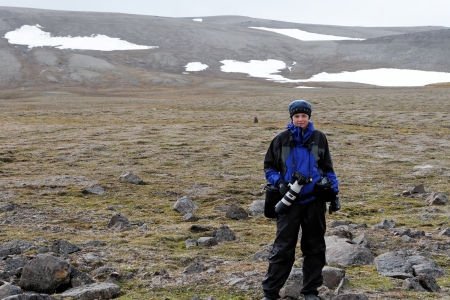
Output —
(300, 120)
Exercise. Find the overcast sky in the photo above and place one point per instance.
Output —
(330, 12)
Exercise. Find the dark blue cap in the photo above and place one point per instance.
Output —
(300, 106)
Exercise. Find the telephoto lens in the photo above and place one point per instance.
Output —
(282, 206)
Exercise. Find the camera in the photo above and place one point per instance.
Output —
(283, 205)
(300, 178)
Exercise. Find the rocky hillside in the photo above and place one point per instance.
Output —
(182, 40)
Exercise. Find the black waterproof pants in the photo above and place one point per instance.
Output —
(311, 218)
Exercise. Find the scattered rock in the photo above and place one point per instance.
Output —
(293, 285)
(236, 281)
(92, 258)
(362, 240)
(421, 283)
(190, 243)
(429, 283)
(189, 217)
(143, 227)
(445, 232)
(7, 290)
(207, 241)
(64, 247)
(236, 212)
(413, 284)
(325, 292)
(95, 189)
(257, 207)
(194, 268)
(342, 231)
(418, 189)
(436, 199)
(224, 233)
(185, 205)
(336, 223)
(131, 178)
(14, 266)
(119, 222)
(94, 291)
(9, 248)
(200, 228)
(341, 285)
(332, 276)
(385, 224)
(4, 206)
(350, 296)
(32, 296)
(6, 159)
(263, 255)
(79, 278)
(104, 272)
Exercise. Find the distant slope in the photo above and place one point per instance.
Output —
(182, 40)
(348, 31)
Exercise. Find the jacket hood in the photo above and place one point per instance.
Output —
(297, 132)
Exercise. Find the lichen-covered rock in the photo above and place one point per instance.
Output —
(185, 205)
(45, 273)
(399, 264)
(224, 233)
(344, 253)
(236, 212)
(103, 291)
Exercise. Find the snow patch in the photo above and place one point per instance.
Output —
(380, 77)
(195, 67)
(307, 36)
(34, 36)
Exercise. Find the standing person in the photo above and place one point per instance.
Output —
(299, 151)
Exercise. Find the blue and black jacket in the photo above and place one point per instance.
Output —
(305, 152)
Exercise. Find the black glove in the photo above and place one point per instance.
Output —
(283, 186)
(335, 205)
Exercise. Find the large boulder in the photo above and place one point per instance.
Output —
(399, 264)
(345, 253)
(45, 273)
